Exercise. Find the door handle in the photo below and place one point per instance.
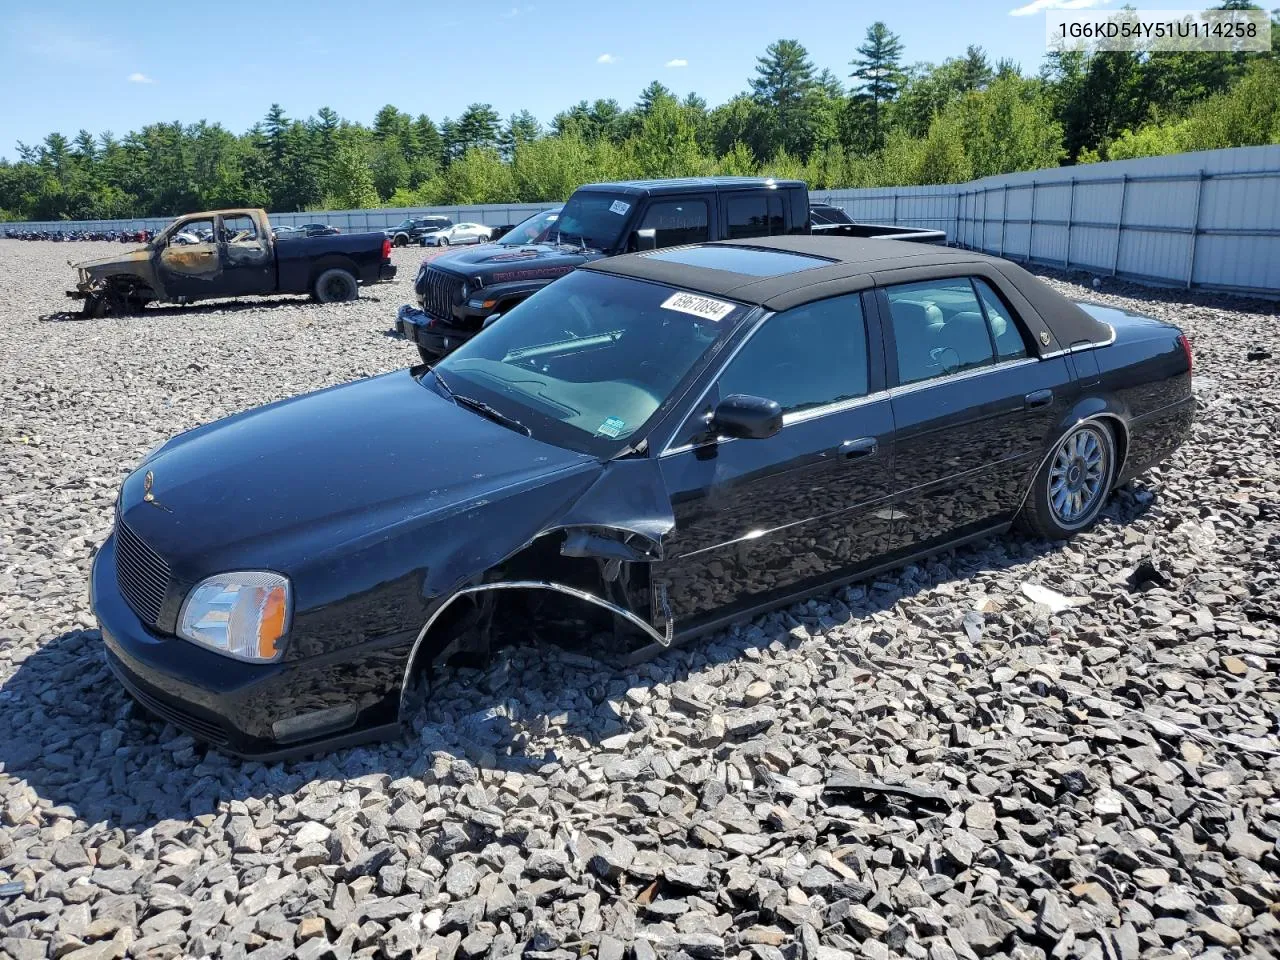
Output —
(1039, 398)
(857, 449)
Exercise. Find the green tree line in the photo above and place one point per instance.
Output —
(884, 122)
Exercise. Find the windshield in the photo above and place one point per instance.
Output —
(403, 225)
(588, 361)
(529, 230)
(593, 220)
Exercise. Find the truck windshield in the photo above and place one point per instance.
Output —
(531, 230)
(590, 360)
(593, 220)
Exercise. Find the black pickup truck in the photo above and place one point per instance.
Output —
(231, 253)
(459, 292)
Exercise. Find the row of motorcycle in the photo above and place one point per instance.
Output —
(61, 236)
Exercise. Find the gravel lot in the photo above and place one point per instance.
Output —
(936, 764)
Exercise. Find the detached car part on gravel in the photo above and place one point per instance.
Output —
(231, 253)
(659, 443)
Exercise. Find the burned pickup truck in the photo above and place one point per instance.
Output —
(231, 253)
(460, 293)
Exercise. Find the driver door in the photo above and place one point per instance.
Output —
(189, 264)
(757, 520)
(248, 266)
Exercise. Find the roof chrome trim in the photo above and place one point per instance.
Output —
(648, 628)
(1083, 345)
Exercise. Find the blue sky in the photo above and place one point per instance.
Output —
(118, 64)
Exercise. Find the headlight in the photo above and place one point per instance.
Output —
(243, 615)
(466, 290)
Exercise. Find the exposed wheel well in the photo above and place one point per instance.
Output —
(534, 588)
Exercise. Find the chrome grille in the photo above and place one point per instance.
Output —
(440, 291)
(142, 574)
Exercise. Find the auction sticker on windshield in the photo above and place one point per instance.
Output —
(611, 427)
(619, 207)
(704, 307)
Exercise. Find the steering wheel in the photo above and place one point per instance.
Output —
(945, 357)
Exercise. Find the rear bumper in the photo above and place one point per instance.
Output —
(429, 333)
(1156, 435)
(387, 271)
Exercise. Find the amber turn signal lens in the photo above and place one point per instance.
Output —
(271, 623)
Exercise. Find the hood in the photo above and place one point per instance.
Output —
(286, 483)
(497, 264)
(136, 255)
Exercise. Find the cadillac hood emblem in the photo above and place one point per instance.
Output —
(149, 481)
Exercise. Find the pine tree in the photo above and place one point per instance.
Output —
(878, 70)
(785, 86)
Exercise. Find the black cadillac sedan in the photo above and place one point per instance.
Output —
(668, 441)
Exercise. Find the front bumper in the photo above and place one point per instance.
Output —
(234, 705)
(438, 339)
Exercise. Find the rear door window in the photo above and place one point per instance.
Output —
(677, 222)
(1006, 331)
(939, 328)
(758, 214)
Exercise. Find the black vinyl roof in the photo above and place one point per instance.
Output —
(848, 264)
(685, 184)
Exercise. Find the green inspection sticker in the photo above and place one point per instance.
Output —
(611, 427)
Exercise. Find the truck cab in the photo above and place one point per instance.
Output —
(459, 292)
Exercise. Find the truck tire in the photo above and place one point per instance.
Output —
(336, 285)
(401, 240)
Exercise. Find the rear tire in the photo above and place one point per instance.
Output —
(443, 242)
(1073, 484)
(336, 286)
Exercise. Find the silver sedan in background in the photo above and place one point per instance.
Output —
(457, 234)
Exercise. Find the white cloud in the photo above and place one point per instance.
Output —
(140, 78)
(512, 13)
(677, 62)
(1036, 6)
(607, 58)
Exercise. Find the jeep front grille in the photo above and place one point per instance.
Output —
(440, 291)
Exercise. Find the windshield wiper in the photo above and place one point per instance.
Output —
(443, 386)
(497, 416)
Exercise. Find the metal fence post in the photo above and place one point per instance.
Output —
(1124, 194)
(1004, 213)
(1195, 229)
(895, 206)
(1071, 209)
(1031, 226)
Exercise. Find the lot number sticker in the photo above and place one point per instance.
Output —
(611, 427)
(704, 307)
(619, 207)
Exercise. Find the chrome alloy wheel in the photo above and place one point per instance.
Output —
(1078, 475)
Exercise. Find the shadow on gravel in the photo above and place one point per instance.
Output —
(205, 307)
(71, 732)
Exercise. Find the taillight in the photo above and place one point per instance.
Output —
(1185, 342)
(386, 248)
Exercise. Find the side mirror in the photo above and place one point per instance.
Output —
(746, 417)
(646, 239)
(490, 320)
